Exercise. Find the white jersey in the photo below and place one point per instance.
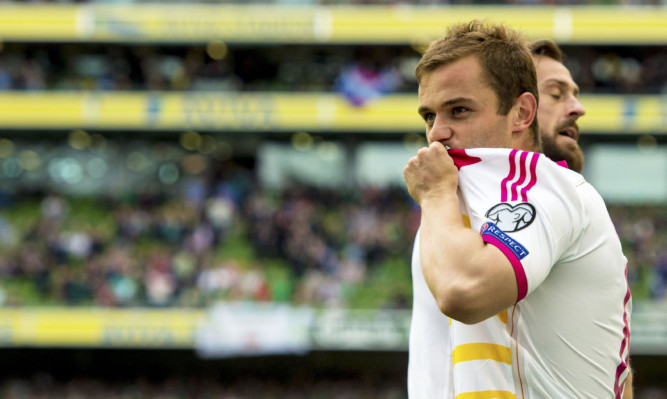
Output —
(568, 334)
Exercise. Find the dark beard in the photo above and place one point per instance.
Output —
(573, 156)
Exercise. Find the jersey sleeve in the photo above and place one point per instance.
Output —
(526, 206)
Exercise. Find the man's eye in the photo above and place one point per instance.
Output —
(459, 110)
(556, 95)
(429, 117)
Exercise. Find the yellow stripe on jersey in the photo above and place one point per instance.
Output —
(503, 316)
(481, 351)
(486, 395)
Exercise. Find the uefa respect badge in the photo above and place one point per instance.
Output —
(492, 234)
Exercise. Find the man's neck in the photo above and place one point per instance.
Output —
(526, 142)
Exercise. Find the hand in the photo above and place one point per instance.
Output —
(431, 174)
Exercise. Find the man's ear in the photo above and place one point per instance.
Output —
(523, 112)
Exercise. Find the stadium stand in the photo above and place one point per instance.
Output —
(130, 159)
(229, 239)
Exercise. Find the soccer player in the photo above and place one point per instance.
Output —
(559, 107)
(558, 111)
(525, 295)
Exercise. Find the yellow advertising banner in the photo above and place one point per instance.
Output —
(96, 327)
(232, 329)
(394, 24)
(279, 112)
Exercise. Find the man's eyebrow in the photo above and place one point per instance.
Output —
(444, 104)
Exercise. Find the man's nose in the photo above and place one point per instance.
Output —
(575, 107)
(439, 131)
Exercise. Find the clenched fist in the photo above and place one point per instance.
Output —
(431, 174)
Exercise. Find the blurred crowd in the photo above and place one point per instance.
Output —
(43, 386)
(365, 2)
(218, 235)
(211, 67)
(643, 233)
(359, 73)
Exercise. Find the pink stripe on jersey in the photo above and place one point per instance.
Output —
(510, 176)
(521, 280)
(522, 176)
(533, 177)
(461, 158)
(618, 384)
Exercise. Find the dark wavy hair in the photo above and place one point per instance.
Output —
(547, 48)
